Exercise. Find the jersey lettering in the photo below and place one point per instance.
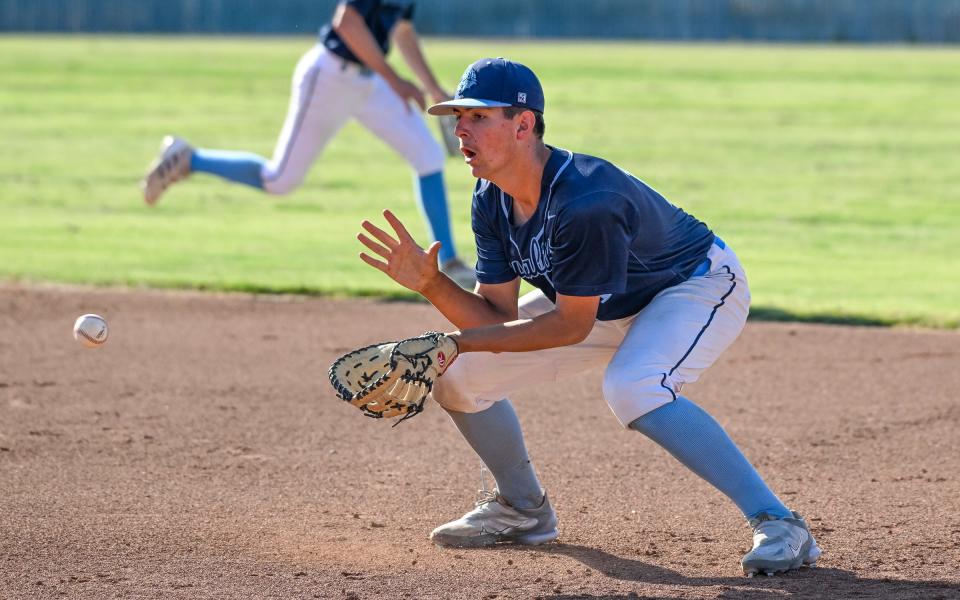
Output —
(536, 263)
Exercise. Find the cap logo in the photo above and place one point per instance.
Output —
(522, 97)
(468, 80)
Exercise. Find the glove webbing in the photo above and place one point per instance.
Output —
(423, 361)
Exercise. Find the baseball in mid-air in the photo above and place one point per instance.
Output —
(90, 330)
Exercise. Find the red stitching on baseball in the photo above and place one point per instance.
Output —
(87, 336)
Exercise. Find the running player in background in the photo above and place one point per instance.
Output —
(626, 282)
(345, 76)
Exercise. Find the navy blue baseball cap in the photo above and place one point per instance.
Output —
(492, 83)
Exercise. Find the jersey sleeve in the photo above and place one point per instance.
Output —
(591, 246)
(407, 14)
(492, 263)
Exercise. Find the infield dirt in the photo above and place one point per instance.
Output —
(202, 454)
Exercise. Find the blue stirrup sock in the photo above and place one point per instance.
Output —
(432, 198)
(239, 167)
(695, 439)
(495, 435)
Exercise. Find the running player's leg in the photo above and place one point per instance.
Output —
(233, 165)
(402, 127)
(324, 96)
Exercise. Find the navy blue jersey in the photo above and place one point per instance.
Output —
(380, 16)
(597, 231)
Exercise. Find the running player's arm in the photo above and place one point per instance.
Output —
(406, 39)
(352, 29)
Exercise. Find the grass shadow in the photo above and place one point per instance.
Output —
(770, 313)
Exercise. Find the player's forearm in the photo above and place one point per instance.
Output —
(465, 309)
(406, 40)
(549, 330)
(351, 28)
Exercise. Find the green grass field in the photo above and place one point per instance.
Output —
(833, 171)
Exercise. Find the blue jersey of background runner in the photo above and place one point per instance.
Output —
(380, 16)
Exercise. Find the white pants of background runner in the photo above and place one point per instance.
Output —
(648, 356)
(327, 92)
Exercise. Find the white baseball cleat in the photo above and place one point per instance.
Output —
(460, 273)
(170, 166)
(779, 545)
(494, 521)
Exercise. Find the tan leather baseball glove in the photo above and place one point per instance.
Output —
(392, 379)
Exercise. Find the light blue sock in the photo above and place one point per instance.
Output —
(495, 436)
(432, 197)
(695, 439)
(240, 167)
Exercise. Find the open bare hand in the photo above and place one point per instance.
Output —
(404, 261)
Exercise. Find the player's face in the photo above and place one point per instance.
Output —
(487, 140)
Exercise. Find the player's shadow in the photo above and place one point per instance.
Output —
(804, 583)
